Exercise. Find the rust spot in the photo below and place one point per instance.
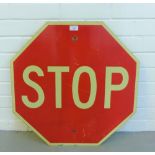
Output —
(74, 131)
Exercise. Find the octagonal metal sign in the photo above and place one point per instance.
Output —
(74, 83)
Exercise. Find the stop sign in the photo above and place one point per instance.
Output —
(74, 83)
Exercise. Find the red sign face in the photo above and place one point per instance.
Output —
(74, 83)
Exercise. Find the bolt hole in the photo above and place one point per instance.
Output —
(74, 38)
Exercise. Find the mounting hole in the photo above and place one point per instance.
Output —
(74, 38)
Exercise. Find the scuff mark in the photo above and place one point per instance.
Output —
(84, 134)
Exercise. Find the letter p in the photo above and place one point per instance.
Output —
(109, 87)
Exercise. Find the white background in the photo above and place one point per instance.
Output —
(134, 24)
